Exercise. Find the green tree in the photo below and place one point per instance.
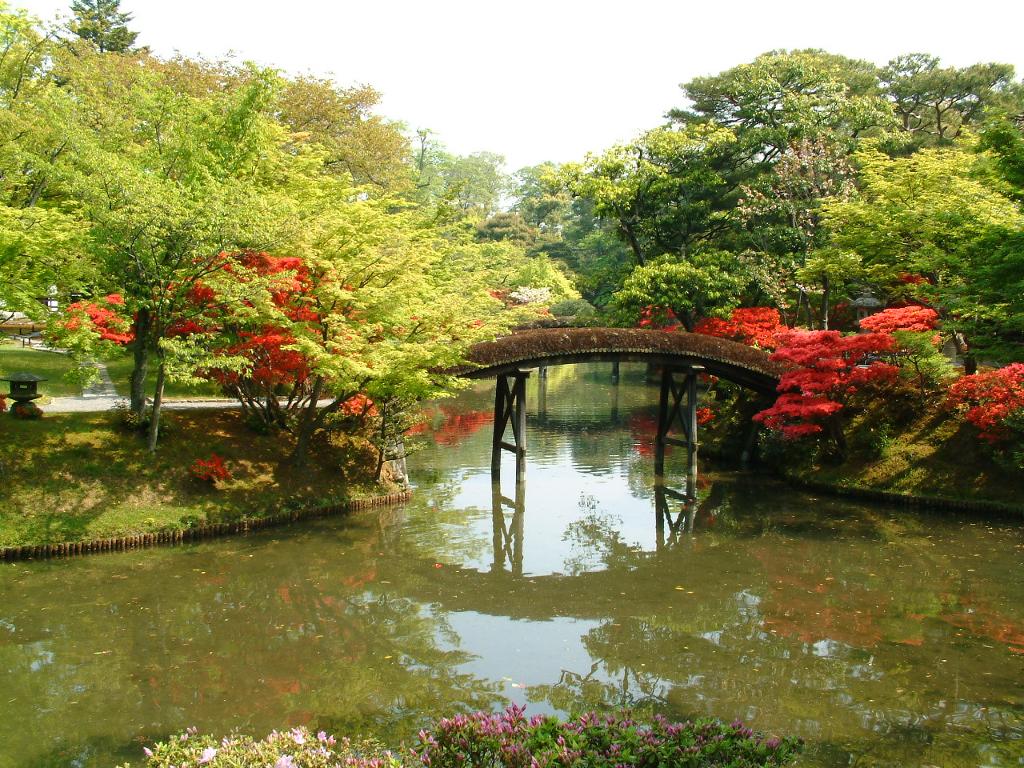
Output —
(507, 226)
(934, 103)
(394, 303)
(475, 182)
(709, 283)
(42, 235)
(664, 192)
(781, 211)
(371, 150)
(169, 182)
(938, 215)
(102, 23)
(784, 96)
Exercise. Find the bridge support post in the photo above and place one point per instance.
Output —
(507, 538)
(542, 397)
(510, 406)
(663, 501)
(677, 405)
(615, 372)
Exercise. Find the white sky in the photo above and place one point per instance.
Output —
(551, 80)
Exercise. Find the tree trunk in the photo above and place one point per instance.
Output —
(307, 426)
(835, 431)
(140, 352)
(688, 319)
(824, 303)
(382, 448)
(634, 244)
(801, 298)
(158, 399)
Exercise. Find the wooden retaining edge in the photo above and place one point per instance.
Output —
(144, 540)
(906, 499)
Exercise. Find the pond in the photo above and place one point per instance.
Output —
(883, 637)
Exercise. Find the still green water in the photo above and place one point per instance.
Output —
(881, 636)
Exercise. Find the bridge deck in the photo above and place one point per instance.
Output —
(730, 360)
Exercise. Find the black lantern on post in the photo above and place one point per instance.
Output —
(24, 389)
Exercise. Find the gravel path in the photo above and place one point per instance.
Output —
(98, 403)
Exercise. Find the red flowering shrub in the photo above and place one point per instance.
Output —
(705, 415)
(210, 470)
(754, 326)
(3, 403)
(909, 318)
(657, 317)
(358, 405)
(994, 401)
(830, 368)
(272, 370)
(105, 317)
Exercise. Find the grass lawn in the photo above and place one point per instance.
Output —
(120, 370)
(50, 365)
(78, 477)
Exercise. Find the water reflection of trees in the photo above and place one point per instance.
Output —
(835, 637)
(253, 637)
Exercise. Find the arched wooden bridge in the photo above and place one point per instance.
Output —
(726, 359)
(510, 359)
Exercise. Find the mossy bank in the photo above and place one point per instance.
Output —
(78, 478)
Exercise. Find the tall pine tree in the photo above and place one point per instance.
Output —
(102, 22)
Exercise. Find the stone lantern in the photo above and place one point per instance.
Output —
(865, 304)
(23, 391)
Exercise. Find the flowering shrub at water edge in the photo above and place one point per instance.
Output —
(296, 748)
(488, 740)
(510, 740)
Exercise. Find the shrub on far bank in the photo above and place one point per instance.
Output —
(506, 740)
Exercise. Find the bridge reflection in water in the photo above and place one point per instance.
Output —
(674, 510)
(675, 515)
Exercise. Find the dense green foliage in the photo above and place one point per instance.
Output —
(140, 180)
(824, 178)
(803, 182)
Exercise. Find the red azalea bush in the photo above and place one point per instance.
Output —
(705, 415)
(829, 368)
(210, 470)
(358, 406)
(909, 318)
(754, 326)
(26, 411)
(3, 403)
(104, 316)
(994, 401)
(657, 317)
